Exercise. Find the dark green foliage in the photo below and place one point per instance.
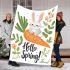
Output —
(21, 26)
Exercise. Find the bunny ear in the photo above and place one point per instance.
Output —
(33, 16)
(41, 16)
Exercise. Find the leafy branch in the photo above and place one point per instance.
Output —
(17, 38)
(48, 30)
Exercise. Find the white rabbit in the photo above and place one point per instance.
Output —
(35, 27)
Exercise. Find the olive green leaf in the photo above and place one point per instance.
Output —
(20, 20)
(44, 23)
(14, 52)
(21, 40)
(47, 31)
(49, 40)
(43, 53)
(53, 9)
(53, 23)
(13, 37)
(18, 48)
(50, 27)
(44, 34)
(17, 38)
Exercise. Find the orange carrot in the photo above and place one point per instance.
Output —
(35, 39)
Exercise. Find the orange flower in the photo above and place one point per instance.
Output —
(14, 45)
(46, 18)
(50, 14)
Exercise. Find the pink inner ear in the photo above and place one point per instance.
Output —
(33, 16)
(41, 16)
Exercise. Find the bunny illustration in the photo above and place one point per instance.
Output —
(35, 26)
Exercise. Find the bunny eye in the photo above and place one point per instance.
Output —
(36, 25)
(31, 24)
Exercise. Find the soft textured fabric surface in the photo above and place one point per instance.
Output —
(33, 35)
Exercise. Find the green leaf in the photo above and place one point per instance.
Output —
(25, 23)
(13, 37)
(44, 49)
(50, 27)
(53, 23)
(18, 49)
(49, 40)
(18, 28)
(44, 34)
(43, 53)
(19, 18)
(14, 52)
(17, 38)
(18, 52)
(22, 22)
(53, 9)
(47, 31)
(44, 23)
(21, 40)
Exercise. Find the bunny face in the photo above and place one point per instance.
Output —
(35, 26)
